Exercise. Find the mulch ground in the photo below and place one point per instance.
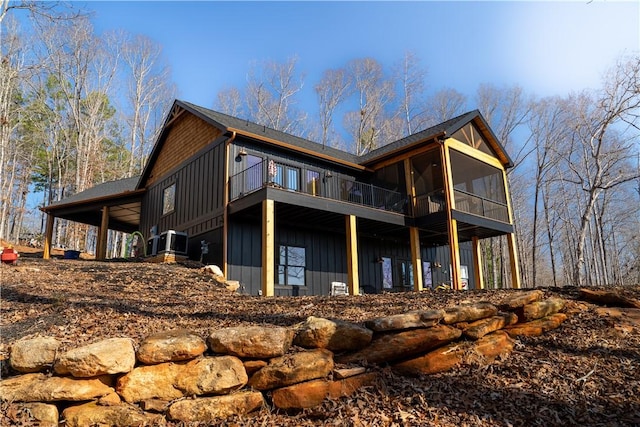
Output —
(585, 373)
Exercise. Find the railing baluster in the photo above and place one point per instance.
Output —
(257, 176)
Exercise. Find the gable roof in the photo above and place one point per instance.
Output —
(229, 124)
(247, 128)
(441, 130)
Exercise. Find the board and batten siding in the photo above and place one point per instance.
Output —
(325, 257)
(199, 195)
(187, 135)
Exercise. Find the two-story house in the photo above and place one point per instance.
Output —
(287, 216)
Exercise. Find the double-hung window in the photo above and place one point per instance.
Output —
(291, 266)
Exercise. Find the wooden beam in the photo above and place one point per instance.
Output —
(411, 188)
(101, 244)
(513, 260)
(472, 152)
(397, 158)
(352, 255)
(48, 237)
(452, 224)
(477, 263)
(511, 239)
(268, 248)
(416, 259)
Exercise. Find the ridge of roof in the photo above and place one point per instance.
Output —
(445, 128)
(228, 122)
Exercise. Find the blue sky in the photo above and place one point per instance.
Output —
(548, 48)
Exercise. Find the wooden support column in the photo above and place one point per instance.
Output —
(225, 212)
(411, 188)
(477, 263)
(268, 248)
(513, 259)
(416, 258)
(454, 250)
(48, 237)
(452, 224)
(101, 244)
(352, 255)
(511, 239)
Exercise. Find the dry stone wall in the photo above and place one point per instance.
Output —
(179, 376)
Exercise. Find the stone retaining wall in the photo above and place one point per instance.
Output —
(177, 375)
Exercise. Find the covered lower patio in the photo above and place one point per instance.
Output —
(113, 205)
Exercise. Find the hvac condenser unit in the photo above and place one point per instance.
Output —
(170, 241)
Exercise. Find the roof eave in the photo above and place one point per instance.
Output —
(51, 208)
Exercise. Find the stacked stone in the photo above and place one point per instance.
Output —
(176, 375)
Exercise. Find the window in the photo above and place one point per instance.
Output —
(291, 266)
(169, 199)
(426, 274)
(286, 176)
(387, 273)
(405, 273)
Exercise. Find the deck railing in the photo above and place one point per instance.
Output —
(289, 177)
(430, 203)
(473, 204)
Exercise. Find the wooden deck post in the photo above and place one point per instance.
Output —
(477, 263)
(416, 258)
(411, 188)
(268, 248)
(101, 244)
(352, 255)
(513, 260)
(48, 236)
(511, 239)
(452, 224)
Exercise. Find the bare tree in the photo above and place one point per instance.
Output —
(548, 127)
(412, 83)
(445, 104)
(271, 96)
(52, 11)
(373, 94)
(11, 70)
(506, 109)
(229, 101)
(148, 93)
(332, 90)
(598, 158)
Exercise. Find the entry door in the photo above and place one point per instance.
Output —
(404, 273)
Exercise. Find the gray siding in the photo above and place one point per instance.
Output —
(326, 258)
(199, 197)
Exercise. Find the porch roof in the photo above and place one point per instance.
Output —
(120, 196)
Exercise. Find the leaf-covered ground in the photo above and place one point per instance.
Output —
(587, 372)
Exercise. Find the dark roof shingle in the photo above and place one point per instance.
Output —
(106, 189)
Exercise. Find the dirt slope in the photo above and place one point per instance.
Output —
(587, 372)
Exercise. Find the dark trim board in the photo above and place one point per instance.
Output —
(489, 225)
